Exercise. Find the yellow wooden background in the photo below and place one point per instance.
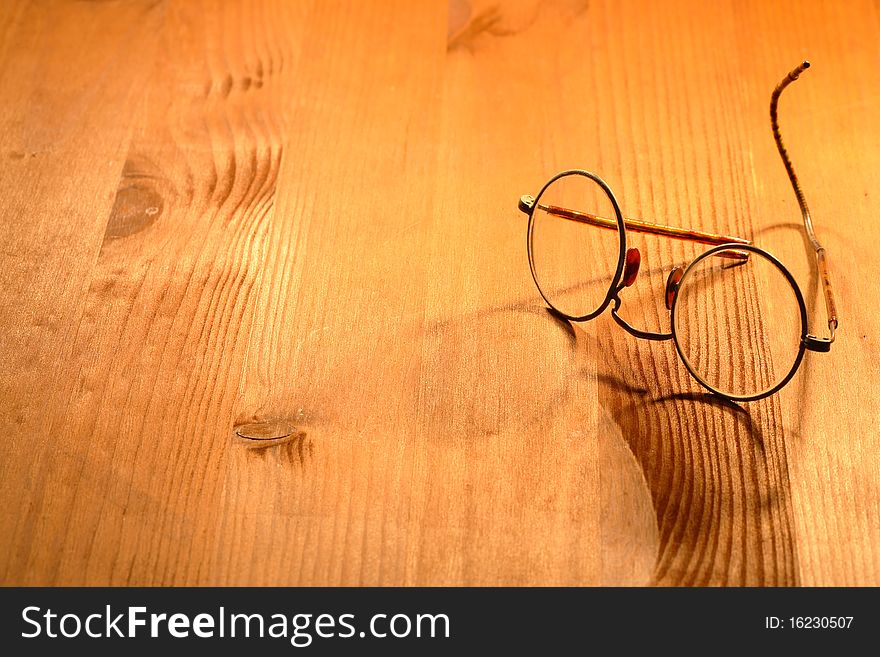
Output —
(303, 214)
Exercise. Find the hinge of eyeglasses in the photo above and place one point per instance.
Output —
(525, 203)
(813, 343)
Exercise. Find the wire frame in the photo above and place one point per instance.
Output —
(726, 246)
(533, 204)
(802, 309)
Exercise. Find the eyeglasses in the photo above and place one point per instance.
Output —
(719, 304)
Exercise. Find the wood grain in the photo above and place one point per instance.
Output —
(297, 221)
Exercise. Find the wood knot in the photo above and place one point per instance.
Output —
(140, 198)
(137, 206)
(266, 433)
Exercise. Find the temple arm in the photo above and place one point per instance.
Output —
(526, 203)
(821, 258)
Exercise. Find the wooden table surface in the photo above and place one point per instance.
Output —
(287, 217)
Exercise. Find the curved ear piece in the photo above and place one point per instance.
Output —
(631, 268)
(672, 284)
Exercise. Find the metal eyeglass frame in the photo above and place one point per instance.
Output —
(724, 246)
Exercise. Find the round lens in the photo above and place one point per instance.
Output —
(738, 322)
(575, 246)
